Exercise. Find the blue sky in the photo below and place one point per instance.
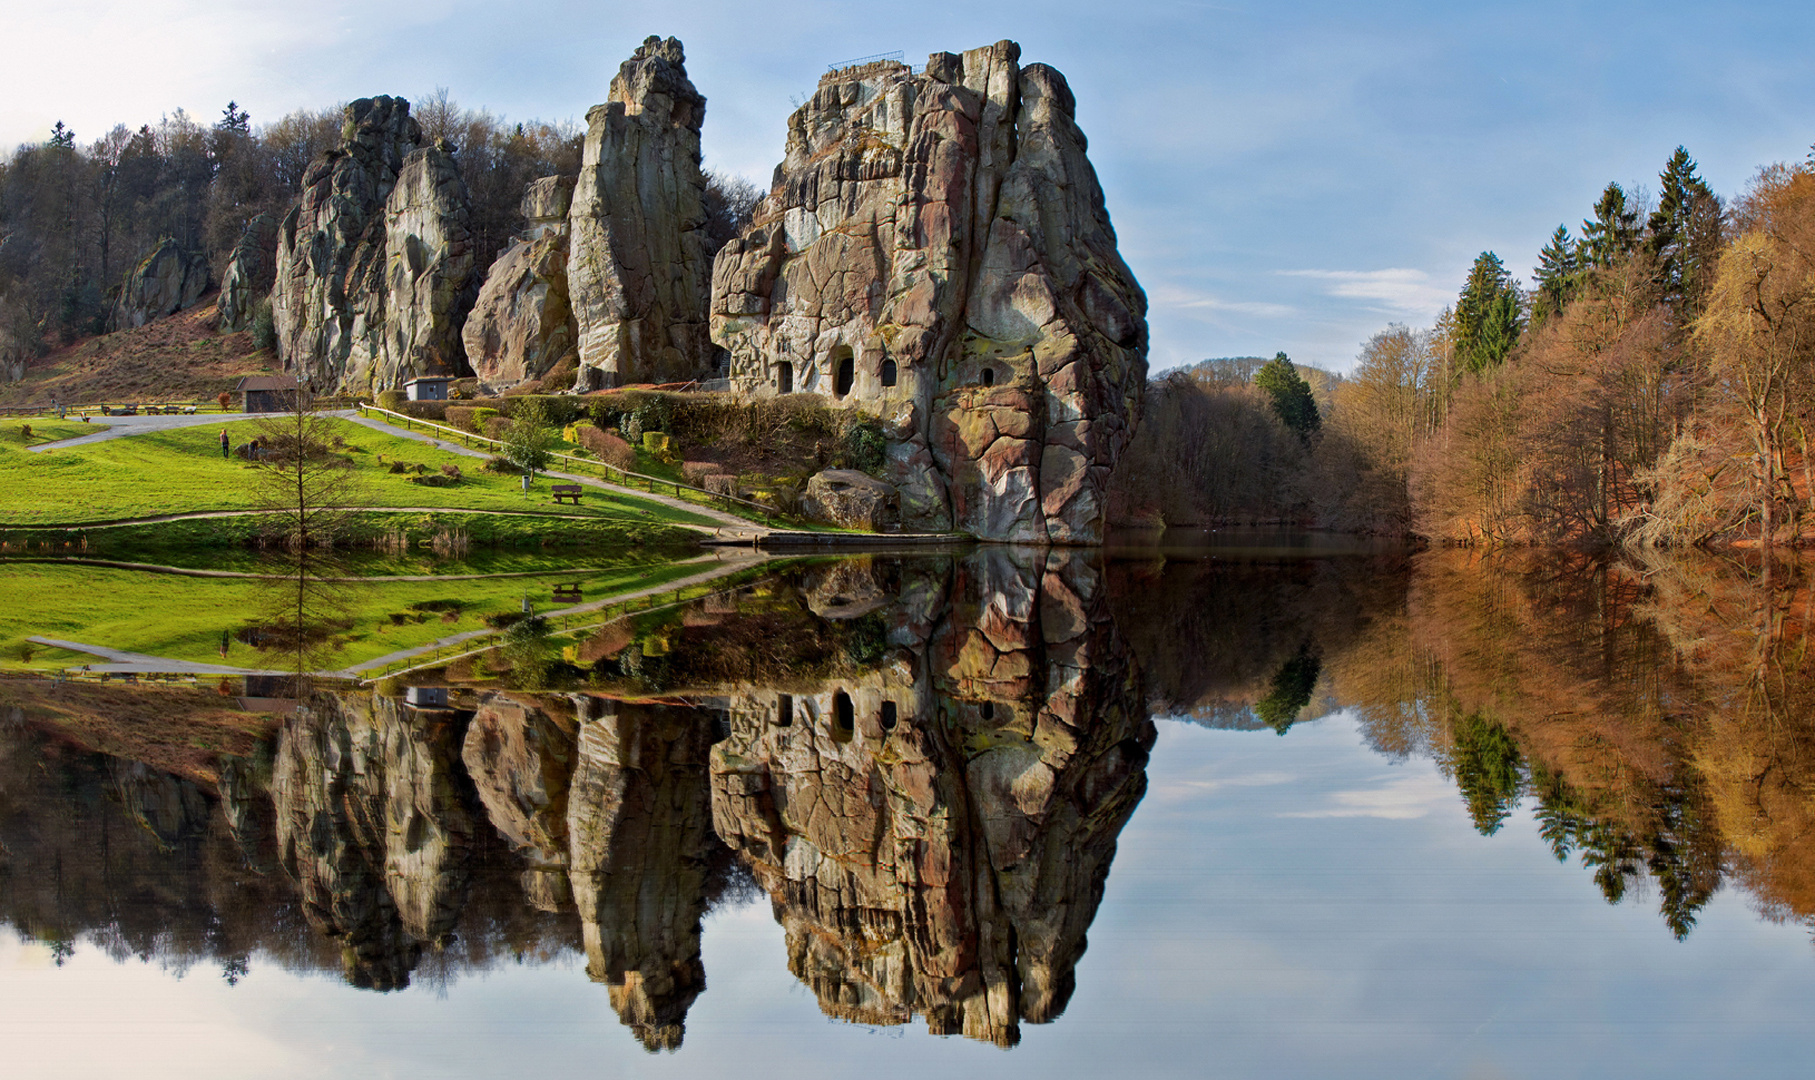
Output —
(1282, 176)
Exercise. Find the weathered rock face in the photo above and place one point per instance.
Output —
(374, 266)
(522, 323)
(849, 499)
(935, 248)
(429, 278)
(638, 272)
(373, 828)
(250, 271)
(164, 282)
(935, 834)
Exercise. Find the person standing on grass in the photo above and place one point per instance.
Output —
(224, 443)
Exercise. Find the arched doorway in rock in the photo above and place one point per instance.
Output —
(844, 717)
(989, 376)
(844, 371)
(784, 378)
(888, 373)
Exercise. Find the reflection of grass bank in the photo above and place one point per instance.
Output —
(186, 618)
(181, 471)
(212, 542)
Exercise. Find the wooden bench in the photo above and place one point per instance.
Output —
(567, 592)
(570, 492)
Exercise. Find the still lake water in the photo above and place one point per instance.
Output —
(1251, 810)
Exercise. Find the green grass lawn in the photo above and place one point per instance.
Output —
(45, 430)
(185, 618)
(181, 471)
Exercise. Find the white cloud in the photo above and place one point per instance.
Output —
(1401, 798)
(1396, 291)
(1174, 298)
(1177, 790)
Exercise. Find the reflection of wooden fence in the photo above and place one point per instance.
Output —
(655, 485)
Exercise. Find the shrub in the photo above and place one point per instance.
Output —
(697, 471)
(391, 400)
(500, 465)
(451, 470)
(606, 447)
(25, 432)
(496, 427)
(462, 417)
(224, 400)
(865, 444)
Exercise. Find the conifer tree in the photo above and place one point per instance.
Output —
(1684, 236)
(1613, 234)
(1558, 274)
(62, 138)
(1291, 395)
(1489, 315)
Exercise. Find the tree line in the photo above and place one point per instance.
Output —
(1654, 385)
(76, 216)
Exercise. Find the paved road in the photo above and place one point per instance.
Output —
(123, 426)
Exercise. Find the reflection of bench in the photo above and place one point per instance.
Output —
(567, 592)
(569, 492)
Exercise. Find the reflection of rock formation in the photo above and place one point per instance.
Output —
(640, 823)
(373, 826)
(614, 808)
(935, 833)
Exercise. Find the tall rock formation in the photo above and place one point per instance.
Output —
(935, 248)
(522, 324)
(250, 271)
(638, 271)
(167, 280)
(374, 265)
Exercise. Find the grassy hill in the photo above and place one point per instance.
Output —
(178, 358)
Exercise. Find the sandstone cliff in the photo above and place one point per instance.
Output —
(935, 247)
(522, 323)
(374, 265)
(638, 270)
(167, 280)
(250, 271)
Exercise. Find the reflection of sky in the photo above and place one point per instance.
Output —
(1278, 907)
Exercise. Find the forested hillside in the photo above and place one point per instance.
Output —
(1655, 384)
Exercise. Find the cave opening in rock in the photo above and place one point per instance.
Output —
(844, 371)
(989, 376)
(988, 711)
(844, 716)
(784, 710)
(888, 716)
(888, 373)
(784, 378)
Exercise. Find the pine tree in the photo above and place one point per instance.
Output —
(1489, 315)
(234, 119)
(62, 137)
(1614, 232)
(1558, 275)
(1683, 235)
(1291, 395)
